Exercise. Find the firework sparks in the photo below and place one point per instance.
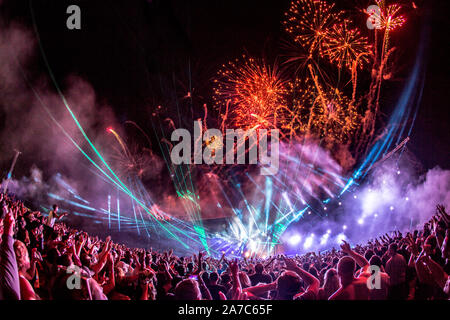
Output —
(389, 17)
(344, 45)
(255, 93)
(131, 160)
(323, 112)
(308, 21)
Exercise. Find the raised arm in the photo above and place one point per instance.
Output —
(203, 289)
(437, 273)
(261, 289)
(236, 288)
(312, 282)
(102, 258)
(9, 274)
(423, 273)
(360, 260)
(110, 285)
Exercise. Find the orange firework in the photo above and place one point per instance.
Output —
(389, 17)
(343, 46)
(324, 112)
(308, 21)
(253, 92)
(302, 92)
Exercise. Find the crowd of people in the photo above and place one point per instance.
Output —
(44, 259)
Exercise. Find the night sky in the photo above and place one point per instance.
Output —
(136, 54)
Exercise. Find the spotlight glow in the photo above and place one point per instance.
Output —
(295, 239)
(308, 242)
(340, 238)
(324, 239)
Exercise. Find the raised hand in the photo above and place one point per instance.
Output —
(345, 247)
(412, 246)
(136, 261)
(441, 211)
(8, 224)
(234, 267)
(35, 255)
(290, 264)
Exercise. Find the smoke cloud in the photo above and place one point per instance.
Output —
(393, 197)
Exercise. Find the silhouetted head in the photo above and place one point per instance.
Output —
(187, 290)
(259, 268)
(288, 285)
(346, 267)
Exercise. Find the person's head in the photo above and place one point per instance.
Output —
(392, 251)
(213, 278)
(447, 287)
(55, 207)
(225, 278)
(375, 261)
(119, 274)
(128, 259)
(21, 222)
(52, 256)
(66, 260)
(331, 281)
(330, 274)
(288, 285)
(314, 272)
(346, 268)
(369, 253)
(187, 290)
(430, 244)
(259, 268)
(179, 268)
(164, 282)
(244, 279)
(205, 277)
(335, 261)
(85, 259)
(61, 291)
(22, 256)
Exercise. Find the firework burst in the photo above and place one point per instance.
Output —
(308, 21)
(252, 93)
(343, 46)
(324, 112)
(131, 160)
(388, 18)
